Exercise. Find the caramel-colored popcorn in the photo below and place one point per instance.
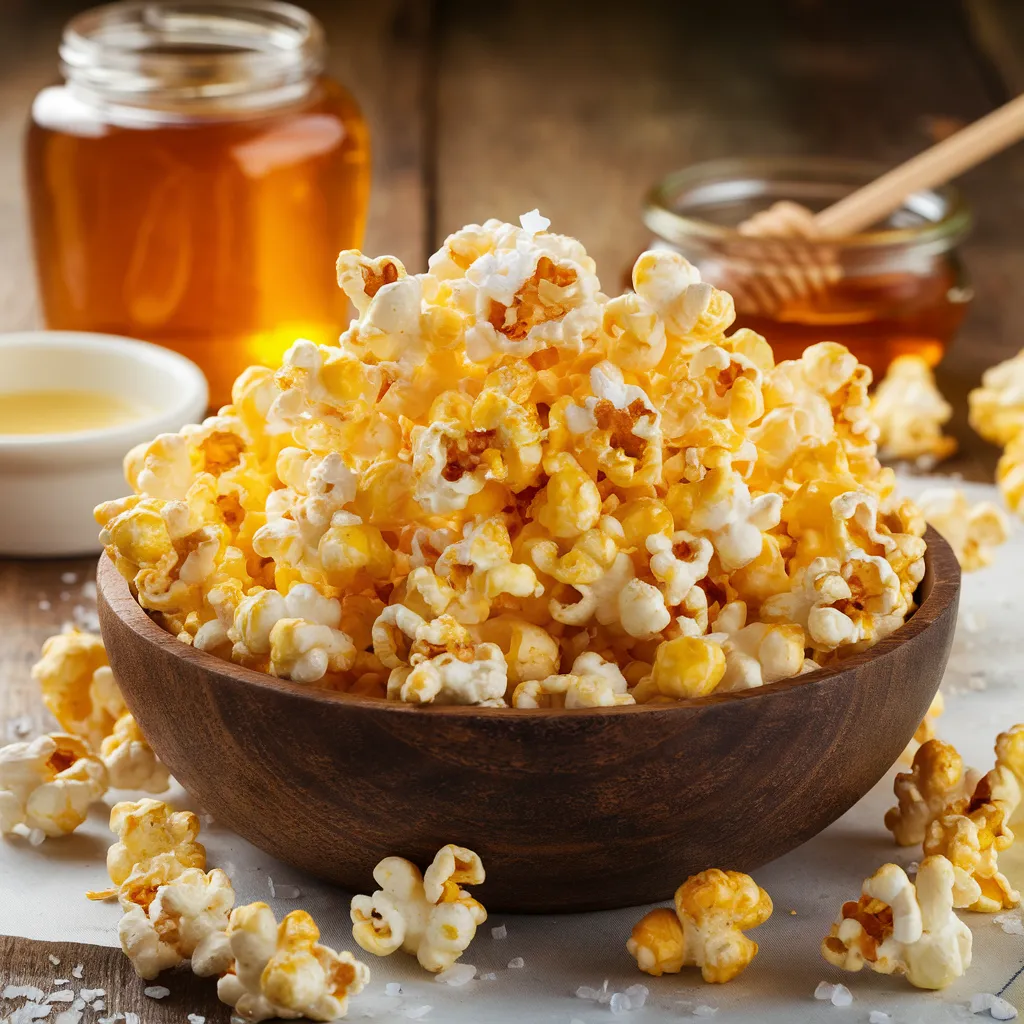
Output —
(903, 927)
(910, 412)
(148, 828)
(997, 407)
(499, 468)
(712, 911)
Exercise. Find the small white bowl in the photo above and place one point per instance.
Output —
(50, 483)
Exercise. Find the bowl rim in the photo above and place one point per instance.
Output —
(942, 574)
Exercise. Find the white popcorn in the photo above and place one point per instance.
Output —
(757, 653)
(130, 761)
(49, 784)
(678, 563)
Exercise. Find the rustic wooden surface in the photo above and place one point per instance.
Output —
(622, 817)
(491, 109)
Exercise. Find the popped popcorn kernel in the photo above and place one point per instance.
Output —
(910, 412)
(130, 761)
(903, 927)
(148, 828)
(712, 911)
(997, 406)
(973, 531)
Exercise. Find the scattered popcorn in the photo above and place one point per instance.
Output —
(712, 910)
(48, 785)
(909, 411)
(130, 761)
(516, 962)
(1010, 474)
(997, 407)
(973, 531)
(429, 916)
(148, 828)
(499, 470)
(456, 975)
(904, 927)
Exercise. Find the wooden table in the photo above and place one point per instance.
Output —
(482, 110)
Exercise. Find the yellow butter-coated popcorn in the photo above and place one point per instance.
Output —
(78, 687)
(429, 916)
(936, 779)
(712, 911)
(180, 922)
(49, 784)
(270, 970)
(499, 468)
(1010, 474)
(973, 531)
(147, 828)
(592, 682)
(130, 761)
(903, 927)
(1010, 766)
(997, 407)
(910, 412)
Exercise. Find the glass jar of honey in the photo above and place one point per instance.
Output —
(193, 179)
(898, 288)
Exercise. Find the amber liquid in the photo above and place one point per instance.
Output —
(215, 238)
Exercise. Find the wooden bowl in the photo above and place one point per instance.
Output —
(570, 810)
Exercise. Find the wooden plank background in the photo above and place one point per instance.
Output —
(489, 109)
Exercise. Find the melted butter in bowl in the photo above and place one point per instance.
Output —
(64, 411)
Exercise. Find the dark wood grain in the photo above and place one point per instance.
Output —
(25, 962)
(570, 810)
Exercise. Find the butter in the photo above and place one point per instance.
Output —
(63, 411)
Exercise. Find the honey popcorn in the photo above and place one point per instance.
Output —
(430, 916)
(130, 761)
(973, 531)
(1010, 474)
(498, 469)
(904, 927)
(148, 828)
(712, 911)
(49, 784)
(910, 412)
(997, 407)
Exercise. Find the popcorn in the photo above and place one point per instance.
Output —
(78, 687)
(903, 927)
(148, 828)
(49, 784)
(499, 468)
(712, 910)
(926, 729)
(997, 407)
(281, 970)
(1010, 474)
(428, 916)
(936, 779)
(130, 761)
(909, 411)
(1010, 770)
(181, 921)
(973, 531)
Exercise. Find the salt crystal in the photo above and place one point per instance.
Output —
(45, 606)
(603, 995)
(61, 996)
(270, 885)
(638, 995)
(131, 1018)
(972, 623)
(516, 961)
(619, 1003)
(489, 976)
(194, 1018)
(841, 996)
(704, 1010)
(586, 992)
(89, 994)
(913, 867)
(999, 1009)
(417, 1012)
(287, 892)
(392, 988)
(155, 992)
(534, 222)
(78, 1004)
(878, 1017)
(112, 1019)
(69, 577)
(29, 1012)
(36, 837)
(89, 590)
(1012, 924)
(456, 975)
(68, 1017)
(55, 960)
(78, 971)
(17, 729)
(99, 1005)
(824, 991)
(62, 981)
(500, 932)
(977, 681)
(24, 992)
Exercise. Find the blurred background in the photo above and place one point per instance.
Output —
(490, 109)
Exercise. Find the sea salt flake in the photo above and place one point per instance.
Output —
(637, 995)
(78, 971)
(499, 932)
(879, 1017)
(155, 992)
(1012, 924)
(89, 994)
(61, 981)
(456, 975)
(64, 995)
(516, 962)
(55, 960)
(36, 837)
(288, 892)
(131, 1018)
(195, 1018)
(78, 1004)
(71, 1016)
(29, 1012)
(704, 1010)
(603, 995)
(392, 988)
(999, 1009)
(417, 1012)
(841, 996)
(270, 886)
(99, 1005)
(534, 221)
(824, 991)
(619, 1003)
(17, 729)
(586, 992)
(489, 976)
(24, 992)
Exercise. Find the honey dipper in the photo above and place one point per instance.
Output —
(799, 269)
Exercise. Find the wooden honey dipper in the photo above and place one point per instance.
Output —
(797, 270)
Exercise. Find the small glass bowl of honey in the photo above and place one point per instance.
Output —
(898, 288)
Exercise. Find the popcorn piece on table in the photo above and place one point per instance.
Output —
(910, 412)
(1006, 781)
(181, 920)
(997, 407)
(49, 784)
(148, 828)
(78, 686)
(903, 927)
(1010, 474)
(926, 729)
(130, 760)
(269, 970)
(429, 916)
(712, 910)
(973, 531)
(935, 780)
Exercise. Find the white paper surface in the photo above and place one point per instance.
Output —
(42, 890)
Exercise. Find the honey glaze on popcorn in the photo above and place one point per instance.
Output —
(503, 487)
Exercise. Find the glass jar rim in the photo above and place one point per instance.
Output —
(661, 215)
(186, 54)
